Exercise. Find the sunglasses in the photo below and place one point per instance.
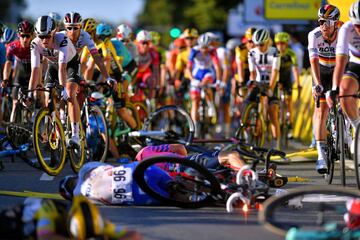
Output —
(145, 43)
(327, 23)
(25, 35)
(72, 28)
(44, 36)
(357, 25)
(189, 38)
(250, 41)
(260, 45)
(281, 43)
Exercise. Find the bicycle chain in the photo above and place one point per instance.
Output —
(18, 134)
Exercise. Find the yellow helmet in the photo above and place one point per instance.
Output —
(89, 25)
(282, 37)
(249, 33)
(155, 37)
(84, 220)
(190, 32)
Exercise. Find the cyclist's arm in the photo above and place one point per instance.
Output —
(295, 67)
(342, 51)
(84, 57)
(239, 65)
(7, 70)
(252, 69)
(100, 63)
(216, 64)
(314, 60)
(275, 71)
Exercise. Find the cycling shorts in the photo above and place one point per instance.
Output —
(22, 78)
(131, 68)
(256, 91)
(287, 87)
(326, 74)
(72, 68)
(201, 74)
(353, 71)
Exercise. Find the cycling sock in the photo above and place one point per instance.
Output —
(355, 122)
(320, 149)
(75, 129)
(62, 116)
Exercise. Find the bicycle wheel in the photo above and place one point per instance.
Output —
(252, 127)
(340, 146)
(142, 112)
(49, 142)
(357, 155)
(97, 136)
(6, 109)
(76, 155)
(174, 120)
(330, 158)
(304, 208)
(191, 185)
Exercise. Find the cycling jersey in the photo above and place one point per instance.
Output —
(63, 52)
(263, 63)
(181, 61)
(21, 54)
(321, 49)
(2, 54)
(241, 55)
(84, 40)
(133, 51)
(203, 65)
(108, 52)
(151, 58)
(122, 51)
(106, 184)
(223, 56)
(348, 43)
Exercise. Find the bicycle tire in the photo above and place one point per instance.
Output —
(142, 112)
(357, 157)
(77, 158)
(266, 214)
(97, 137)
(329, 175)
(184, 116)
(5, 109)
(257, 138)
(214, 187)
(340, 145)
(58, 142)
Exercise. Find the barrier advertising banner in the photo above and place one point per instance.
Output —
(292, 9)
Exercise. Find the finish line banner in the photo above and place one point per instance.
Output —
(292, 9)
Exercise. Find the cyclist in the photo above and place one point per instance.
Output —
(288, 64)
(264, 65)
(53, 219)
(322, 43)
(124, 34)
(155, 44)
(8, 36)
(352, 217)
(63, 66)
(149, 64)
(20, 49)
(203, 67)
(95, 180)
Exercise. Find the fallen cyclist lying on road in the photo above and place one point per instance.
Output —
(114, 185)
(53, 219)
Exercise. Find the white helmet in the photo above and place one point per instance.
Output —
(354, 12)
(143, 35)
(204, 40)
(213, 37)
(260, 36)
(123, 32)
(45, 25)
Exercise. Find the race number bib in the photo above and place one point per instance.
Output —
(121, 185)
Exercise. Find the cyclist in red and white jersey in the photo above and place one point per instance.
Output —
(63, 66)
(347, 73)
(264, 65)
(20, 49)
(322, 43)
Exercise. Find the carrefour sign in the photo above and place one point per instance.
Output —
(292, 9)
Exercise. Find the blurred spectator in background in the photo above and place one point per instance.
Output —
(298, 49)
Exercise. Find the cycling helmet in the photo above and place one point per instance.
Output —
(57, 18)
(213, 37)
(45, 25)
(190, 32)
(232, 43)
(179, 43)
(84, 219)
(9, 35)
(261, 36)
(352, 217)
(143, 35)
(282, 37)
(72, 18)
(354, 13)
(103, 29)
(204, 40)
(155, 37)
(249, 33)
(67, 186)
(329, 12)
(89, 25)
(25, 27)
(123, 32)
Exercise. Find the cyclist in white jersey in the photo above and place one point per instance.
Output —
(347, 70)
(322, 43)
(63, 66)
(264, 65)
(81, 38)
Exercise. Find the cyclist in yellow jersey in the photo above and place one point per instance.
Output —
(52, 219)
(190, 35)
(288, 65)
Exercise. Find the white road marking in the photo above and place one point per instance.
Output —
(46, 177)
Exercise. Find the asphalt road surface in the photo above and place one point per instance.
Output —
(164, 222)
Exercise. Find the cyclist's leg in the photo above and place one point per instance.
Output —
(231, 158)
(14, 95)
(350, 85)
(72, 85)
(273, 112)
